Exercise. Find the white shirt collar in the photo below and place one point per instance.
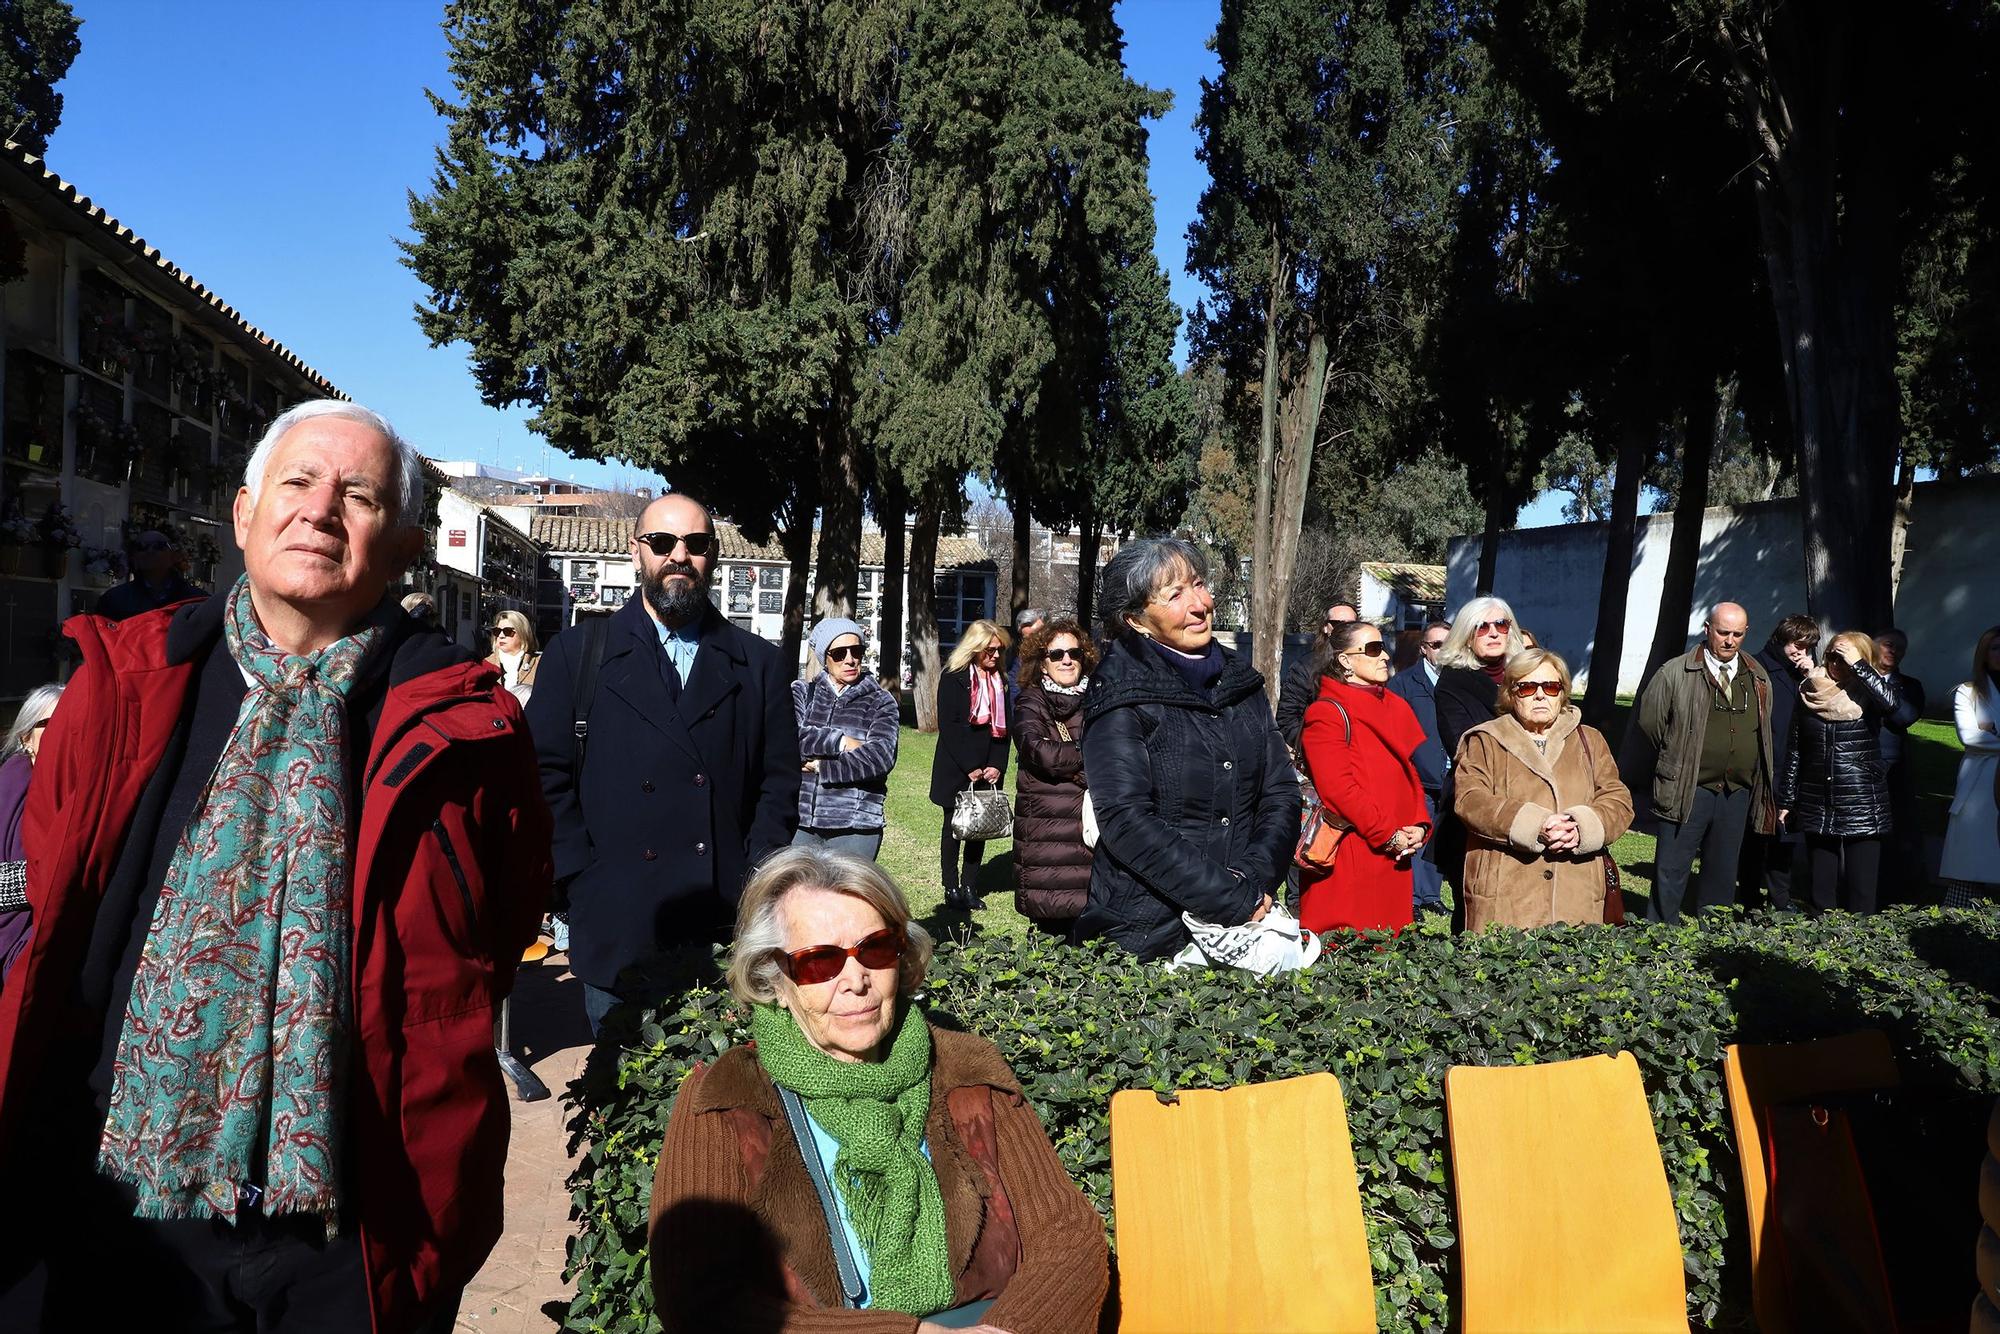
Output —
(1430, 670)
(1725, 672)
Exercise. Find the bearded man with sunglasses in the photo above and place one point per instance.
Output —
(685, 773)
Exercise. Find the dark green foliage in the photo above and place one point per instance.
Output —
(1389, 1018)
(37, 43)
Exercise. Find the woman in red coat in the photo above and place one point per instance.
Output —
(1358, 744)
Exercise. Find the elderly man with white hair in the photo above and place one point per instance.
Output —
(285, 847)
(1709, 715)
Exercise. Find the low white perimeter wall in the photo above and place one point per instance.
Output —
(1752, 554)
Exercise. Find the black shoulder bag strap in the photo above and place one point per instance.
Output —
(596, 630)
(851, 1291)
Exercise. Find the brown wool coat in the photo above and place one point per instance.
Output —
(1505, 790)
(730, 1256)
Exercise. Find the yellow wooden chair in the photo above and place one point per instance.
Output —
(1239, 1210)
(1565, 1219)
(1755, 1077)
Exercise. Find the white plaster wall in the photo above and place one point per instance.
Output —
(1752, 554)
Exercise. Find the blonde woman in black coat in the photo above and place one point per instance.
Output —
(972, 747)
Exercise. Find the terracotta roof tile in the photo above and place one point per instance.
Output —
(593, 536)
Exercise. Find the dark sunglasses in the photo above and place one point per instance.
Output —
(1064, 655)
(1484, 626)
(1527, 689)
(663, 544)
(843, 653)
(1433, 643)
(1374, 648)
(822, 963)
(499, 630)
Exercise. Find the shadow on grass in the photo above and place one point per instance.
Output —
(1965, 949)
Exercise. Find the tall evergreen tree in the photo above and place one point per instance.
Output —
(37, 44)
(1330, 146)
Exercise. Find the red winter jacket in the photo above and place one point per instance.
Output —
(451, 874)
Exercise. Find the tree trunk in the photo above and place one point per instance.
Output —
(796, 541)
(1024, 555)
(1303, 399)
(1090, 538)
(923, 601)
(1899, 534)
(1267, 607)
(895, 505)
(1705, 423)
(1826, 209)
(1607, 648)
(838, 575)
(1497, 518)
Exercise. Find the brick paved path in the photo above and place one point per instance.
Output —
(524, 1274)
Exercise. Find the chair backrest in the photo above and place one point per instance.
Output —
(1565, 1219)
(1754, 1078)
(1239, 1210)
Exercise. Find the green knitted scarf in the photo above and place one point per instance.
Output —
(875, 1110)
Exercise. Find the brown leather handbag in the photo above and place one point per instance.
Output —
(1320, 830)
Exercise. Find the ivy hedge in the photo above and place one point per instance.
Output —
(1388, 1017)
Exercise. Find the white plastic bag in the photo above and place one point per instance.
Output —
(1274, 944)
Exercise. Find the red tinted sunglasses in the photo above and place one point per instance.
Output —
(822, 963)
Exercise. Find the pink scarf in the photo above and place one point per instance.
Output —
(989, 701)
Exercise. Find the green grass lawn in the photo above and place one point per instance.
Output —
(910, 850)
(910, 845)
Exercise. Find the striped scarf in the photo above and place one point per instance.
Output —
(229, 1069)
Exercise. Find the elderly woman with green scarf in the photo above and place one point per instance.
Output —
(855, 1168)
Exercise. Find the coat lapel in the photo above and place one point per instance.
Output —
(718, 673)
(631, 671)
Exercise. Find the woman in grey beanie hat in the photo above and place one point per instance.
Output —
(849, 727)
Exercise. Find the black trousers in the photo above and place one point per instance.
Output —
(1905, 869)
(1714, 828)
(1765, 869)
(112, 1271)
(950, 860)
(1842, 872)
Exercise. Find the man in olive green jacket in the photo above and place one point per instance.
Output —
(1709, 716)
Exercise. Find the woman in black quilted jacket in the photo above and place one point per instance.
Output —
(1197, 804)
(1833, 787)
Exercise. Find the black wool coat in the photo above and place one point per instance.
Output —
(1833, 780)
(1196, 799)
(1050, 860)
(963, 746)
(677, 800)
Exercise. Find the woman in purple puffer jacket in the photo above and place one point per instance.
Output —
(17, 764)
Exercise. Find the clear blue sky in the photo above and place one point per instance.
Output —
(267, 149)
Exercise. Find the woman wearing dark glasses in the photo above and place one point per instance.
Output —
(1360, 744)
(855, 1162)
(849, 729)
(1051, 860)
(515, 653)
(1542, 803)
(1484, 634)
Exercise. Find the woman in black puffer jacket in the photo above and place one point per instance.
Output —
(1051, 860)
(1197, 804)
(1833, 788)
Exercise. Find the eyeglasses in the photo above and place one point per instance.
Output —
(499, 630)
(822, 963)
(1433, 643)
(1528, 689)
(843, 653)
(663, 544)
(1064, 655)
(1502, 626)
(1374, 648)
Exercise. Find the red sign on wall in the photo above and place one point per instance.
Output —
(454, 537)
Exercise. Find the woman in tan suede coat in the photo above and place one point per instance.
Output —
(1541, 801)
